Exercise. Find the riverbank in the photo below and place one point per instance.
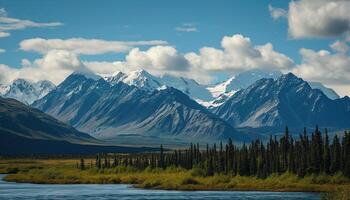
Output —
(65, 171)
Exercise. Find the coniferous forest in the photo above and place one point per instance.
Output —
(307, 154)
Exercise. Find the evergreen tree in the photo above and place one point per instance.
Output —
(82, 164)
(336, 155)
(327, 154)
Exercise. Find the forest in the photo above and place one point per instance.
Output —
(305, 155)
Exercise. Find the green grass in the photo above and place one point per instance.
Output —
(64, 171)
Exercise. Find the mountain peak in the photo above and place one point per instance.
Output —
(142, 79)
(290, 75)
(141, 72)
(290, 79)
(21, 81)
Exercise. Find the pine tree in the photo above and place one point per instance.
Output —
(161, 157)
(346, 154)
(336, 155)
(82, 164)
(326, 154)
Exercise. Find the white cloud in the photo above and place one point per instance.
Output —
(319, 18)
(277, 13)
(4, 34)
(8, 24)
(239, 54)
(340, 46)
(158, 60)
(2, 50)
(60, 57)
(55, 66)
(187, 27)
(323, 66)
(83, 46)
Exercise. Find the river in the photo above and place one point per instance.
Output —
(25, 191)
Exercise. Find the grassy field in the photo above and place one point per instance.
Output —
(65, 171)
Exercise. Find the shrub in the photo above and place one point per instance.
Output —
(12, 170)
(198, 172)
(189, 181)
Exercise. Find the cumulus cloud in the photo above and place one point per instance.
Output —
(239, 54)
(186, 27)
(158, 60)
(316, 18)
(54, 66)
(323, 66)
(60, 57)
(340, 46)
(319, 18)
(83, 46)
(8, 24)
(277, 13)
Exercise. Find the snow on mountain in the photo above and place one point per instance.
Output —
(289, 100)
(243, 80)
(106, 110)
(189, 87)
(139, 78)
(115, 78)
(144, 80)
(27, 91)
(209, 97)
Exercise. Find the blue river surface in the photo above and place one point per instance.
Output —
(24, 191)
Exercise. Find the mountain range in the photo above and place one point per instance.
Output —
(107, 110)
(208, 96)
(140, 104)
(26, 91)
(288, 100)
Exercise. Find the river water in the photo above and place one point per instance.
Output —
(24, 191)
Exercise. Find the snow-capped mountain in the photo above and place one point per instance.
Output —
(26, 91)
(288, 100)
(243, 80)
(209, 97)
(105, 111)
(188, 86)
(144, 80)
(139, 78)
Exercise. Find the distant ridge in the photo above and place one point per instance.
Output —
(289, 100)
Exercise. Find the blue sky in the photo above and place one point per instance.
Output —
(134, 20)
(150, 20)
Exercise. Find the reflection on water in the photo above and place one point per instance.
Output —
(24, 191)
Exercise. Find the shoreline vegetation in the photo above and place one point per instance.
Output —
(317, 164)
(65, 171)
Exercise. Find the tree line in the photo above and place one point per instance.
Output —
(308, 154)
